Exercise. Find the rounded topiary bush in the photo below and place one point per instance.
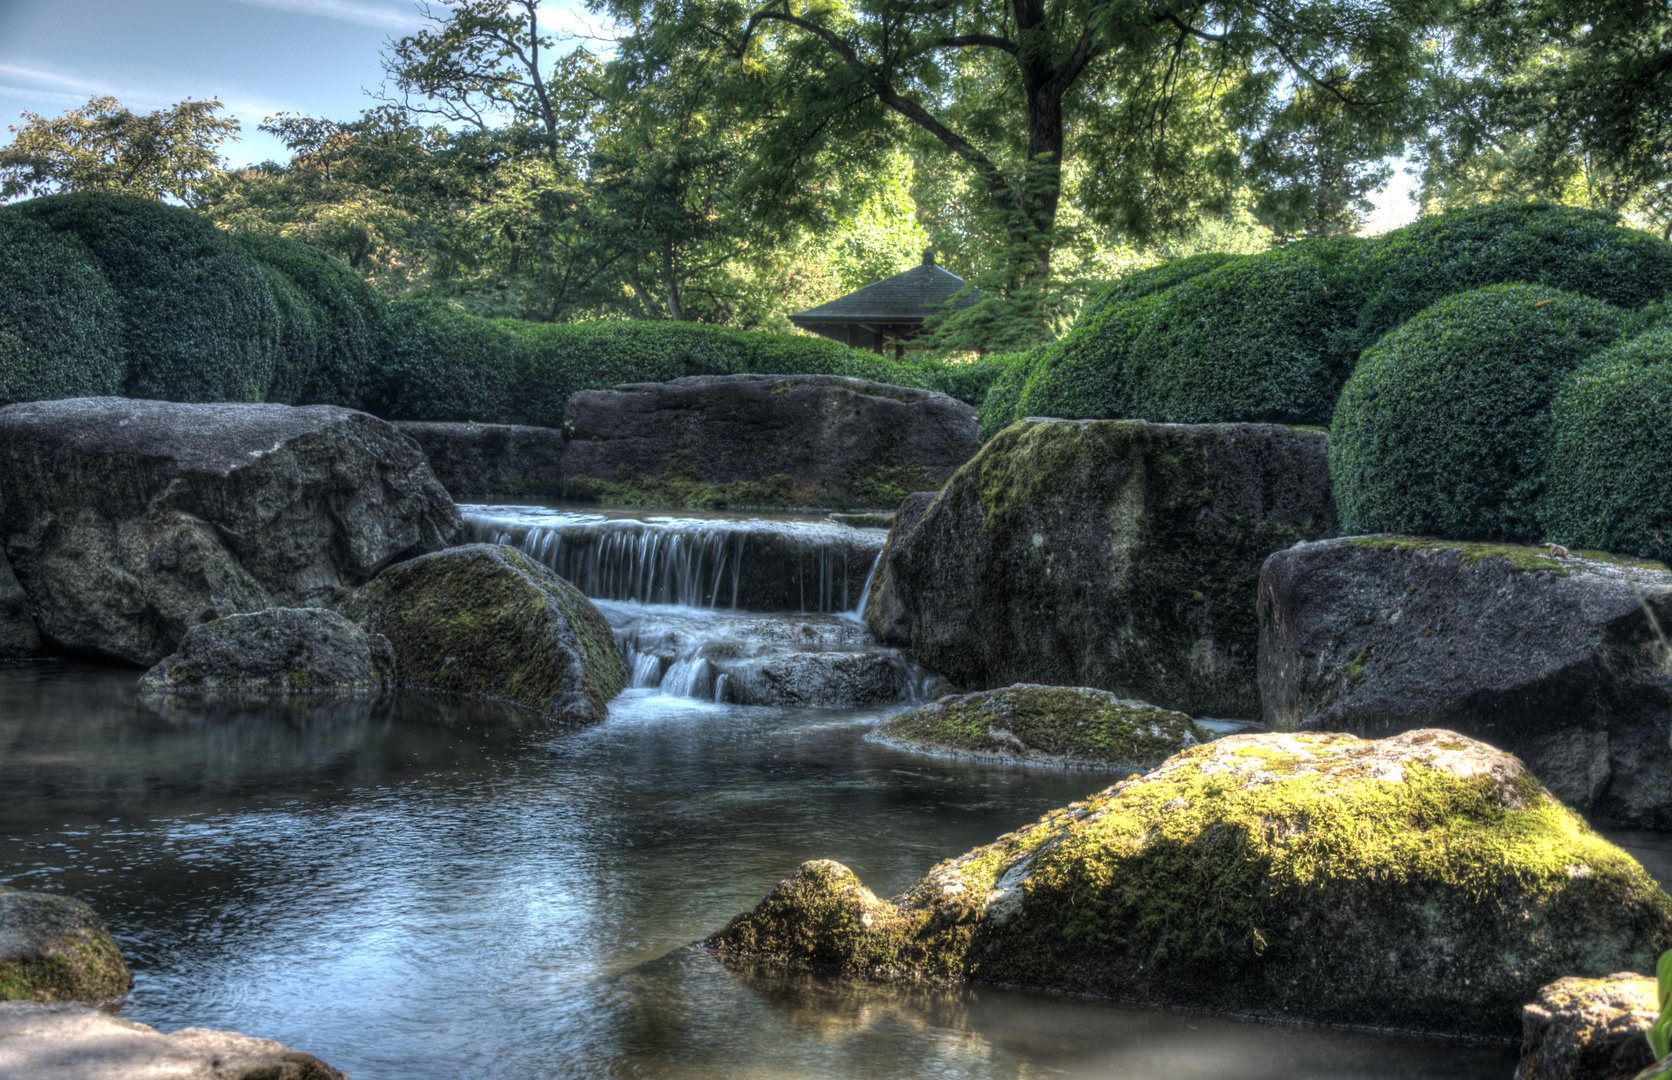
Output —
(1610, 462)
(1083, 375)
(1442, 429)
(197, 319)
(59, 318)
(442, 364)
(349, 317)
(1583, 251)
(1262, 338)
(299, 338)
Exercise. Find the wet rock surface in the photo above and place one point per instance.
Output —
(491, 460)
(764, 440)
(279, 650)
(885, 613)
(18, 636)
(1425, 881)
(73, 1042)
(488, 621)
(54, 948)
(128, 522)
(1114, 554)
(1545, 655)
(1058, 725)
(1589, 1029)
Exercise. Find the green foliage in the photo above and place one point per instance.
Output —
(1610, 459)
(299, 337)
(441, 364)
(1442, 428)
(1001, 405)
(1580, 251)
(349, 318)
(1263, 338)
(1084, 374)
(59, 330)
(198, 322)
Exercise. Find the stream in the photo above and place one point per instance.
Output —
(427, 888)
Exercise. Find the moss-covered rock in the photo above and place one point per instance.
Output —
(1589, 1029)
(1423, 882)
(53, 948)
(1057, 725)
(1114, 554)
(488, 621)
(278, 650)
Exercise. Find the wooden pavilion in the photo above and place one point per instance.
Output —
(889, 312)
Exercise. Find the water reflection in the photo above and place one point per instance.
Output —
(416, 887)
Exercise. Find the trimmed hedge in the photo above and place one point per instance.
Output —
(350, 318)
(1264, 338)
(1610, 456)
(1582, 251)
(440, 364)
(1001, 405)
(1442, 429)
(197, 320)
(1084, 375)
(58, 317)
(299, 338)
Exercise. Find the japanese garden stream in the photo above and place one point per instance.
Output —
(427, 887)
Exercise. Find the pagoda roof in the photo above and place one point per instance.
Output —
(907, 298)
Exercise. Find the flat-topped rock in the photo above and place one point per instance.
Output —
(128, 522)
(279, 650)
(764, 440)
(73, 1042)
(491, 460)
(1421, 882)
(55, 948)
(1544, 654)
(1052, 725)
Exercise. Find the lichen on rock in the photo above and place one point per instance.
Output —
(1424, 882)
(1063, 725)
(53, 948)
(486, 620)
(1589, 1029)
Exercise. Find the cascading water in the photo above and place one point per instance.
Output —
(733, 611)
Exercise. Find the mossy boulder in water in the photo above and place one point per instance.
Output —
(1424, 882)
(279, 650)
(1589, 1029)
(486, 620)
(1060, 725)
(1115, 554)
(53, 948)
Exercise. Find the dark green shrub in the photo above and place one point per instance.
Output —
(968, 381)
(1609, 468)
(1581, 251)
(350, 317)
(1002, 404)
(59, 318)
(1083, 375)
(441, 364)
(1261, 338)
(198, 322)
(299, 338)
(1443, 427)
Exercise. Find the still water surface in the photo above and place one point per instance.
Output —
(426, 887)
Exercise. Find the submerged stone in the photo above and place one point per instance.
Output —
(279, 650)
(486, 620)
(18, 636)
(1589, 1029)
(53, 948)
(1545, 654)
(1059, 725)
(1115, 554)
(763, 440)
(1425, 881)
(73, 1042)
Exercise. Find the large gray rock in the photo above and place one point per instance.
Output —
(279, 650)
(1547, 656)
(842, 680)
(73, 1042)
(885, 613)
(130, 521)
(1113, 554)
(488, 621)
(18, 635)
(1589, 1029)
(764, 440)
(53, 948)
(481, 460)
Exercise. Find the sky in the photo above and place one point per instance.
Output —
(259, 57)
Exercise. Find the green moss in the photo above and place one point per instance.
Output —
(1071, 724)
(1306, 876)
(677, 484)
(58, 950)
(184, 675)
(1525, 559)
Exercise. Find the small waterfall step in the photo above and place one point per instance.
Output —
(744, 564)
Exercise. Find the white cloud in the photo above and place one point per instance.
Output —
(393, 17)
(49, 97)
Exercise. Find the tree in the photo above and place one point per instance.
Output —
(102, 146)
